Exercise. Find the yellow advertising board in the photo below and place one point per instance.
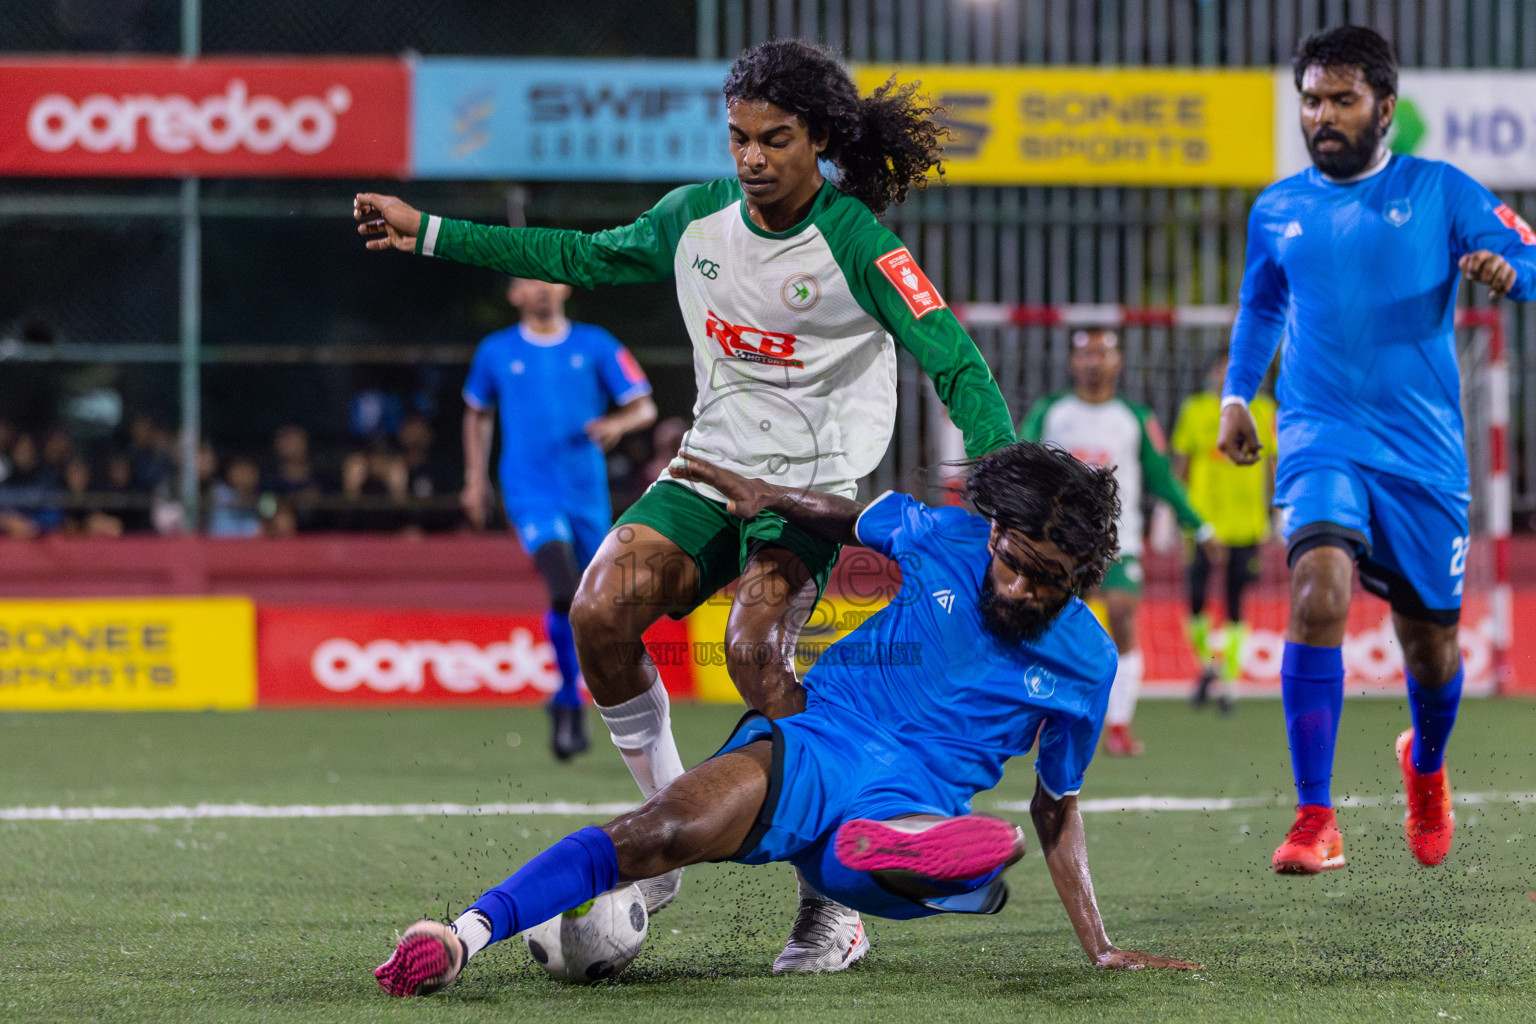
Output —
(1098, 126)
(159, 654)
(833, 619)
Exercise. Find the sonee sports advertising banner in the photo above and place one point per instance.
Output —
(162, 654)
(162, 117)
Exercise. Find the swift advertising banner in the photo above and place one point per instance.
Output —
(1483, 122)
(355, 656)
(607, 120)
(166, 654)
(147, 117)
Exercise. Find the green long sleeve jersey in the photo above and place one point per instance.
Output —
(793, 332)
(1120, 434)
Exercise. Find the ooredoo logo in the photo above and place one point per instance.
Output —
(175, 124)
(390, 666)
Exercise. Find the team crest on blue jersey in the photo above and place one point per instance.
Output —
(1040, 682)
(1397, 212)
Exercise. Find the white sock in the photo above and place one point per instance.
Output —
(1126, 688)
(475, 929)
(641, 728)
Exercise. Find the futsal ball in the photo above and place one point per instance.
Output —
(595, 941)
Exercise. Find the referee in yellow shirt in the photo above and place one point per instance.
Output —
(1235, 500)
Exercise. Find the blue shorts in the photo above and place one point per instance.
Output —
(1410, 539)
(582, 527)
(823, 774)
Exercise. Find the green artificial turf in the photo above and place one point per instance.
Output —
(283, 919)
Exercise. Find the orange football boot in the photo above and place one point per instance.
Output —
(1118, 742)
(1430, 821)
(1313, 844)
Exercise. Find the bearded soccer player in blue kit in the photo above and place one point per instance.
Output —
(868, 791)
(1355, 263)
(552, 381)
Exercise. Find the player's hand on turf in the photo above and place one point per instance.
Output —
(1130, 960)
(744, 498)
(387, 222)
(1238, 438)
(1489, 268)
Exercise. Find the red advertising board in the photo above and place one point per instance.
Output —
(223, 118)
(318, 655)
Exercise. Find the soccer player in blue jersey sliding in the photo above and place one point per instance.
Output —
(985, 649)
(1355, 264)
(552, 383)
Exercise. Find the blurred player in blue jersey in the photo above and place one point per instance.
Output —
(1355, 263)
(552, 382)
(985, 650)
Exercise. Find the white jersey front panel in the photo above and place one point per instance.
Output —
(797, 382)
(1104, 434)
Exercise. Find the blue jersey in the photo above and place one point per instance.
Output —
(1360, 278)
(925, 670)
(545, 391)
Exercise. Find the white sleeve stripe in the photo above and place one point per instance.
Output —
(1054, 795)
(473, 402)
(638, 391)
(862, 514)
(429, 243)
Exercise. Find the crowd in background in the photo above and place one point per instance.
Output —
(400, 481)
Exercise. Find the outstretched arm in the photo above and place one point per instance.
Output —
(826, 515)
(1256, 333)
(634, 253)
(1060, 828)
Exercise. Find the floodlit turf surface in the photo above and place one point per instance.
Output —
(283, 920)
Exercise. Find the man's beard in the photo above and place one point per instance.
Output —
(1351, 158)
(1016, 622)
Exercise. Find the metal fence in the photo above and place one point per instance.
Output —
(1140, 246)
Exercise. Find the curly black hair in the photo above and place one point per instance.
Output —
(1045, 493)
(1351, 46)
(883, 144)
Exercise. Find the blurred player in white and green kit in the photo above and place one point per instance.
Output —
(796, 298)
(1098, 426)
(1235, 500)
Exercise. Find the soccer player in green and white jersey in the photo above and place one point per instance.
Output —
(1098, 426)
(795, 297)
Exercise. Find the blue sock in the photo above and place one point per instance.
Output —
(558, 626)
(1434, 713)
(1312, 690)
(566, 875)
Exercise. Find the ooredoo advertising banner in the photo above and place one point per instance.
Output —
(162, 654)
(233, 118)
(315, 655)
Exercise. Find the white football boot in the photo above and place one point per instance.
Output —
(661, 890)
(827, 937)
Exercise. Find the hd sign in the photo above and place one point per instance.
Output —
(1483, 122)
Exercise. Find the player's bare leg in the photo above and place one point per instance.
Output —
(1320, 587)
(773, 601)
(704, 815)
(1120, 607)
(636, 577)
(1432, 657)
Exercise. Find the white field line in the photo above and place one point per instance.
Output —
(1107, 805)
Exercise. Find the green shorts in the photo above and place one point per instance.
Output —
(1125, 575)
(720, 543)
